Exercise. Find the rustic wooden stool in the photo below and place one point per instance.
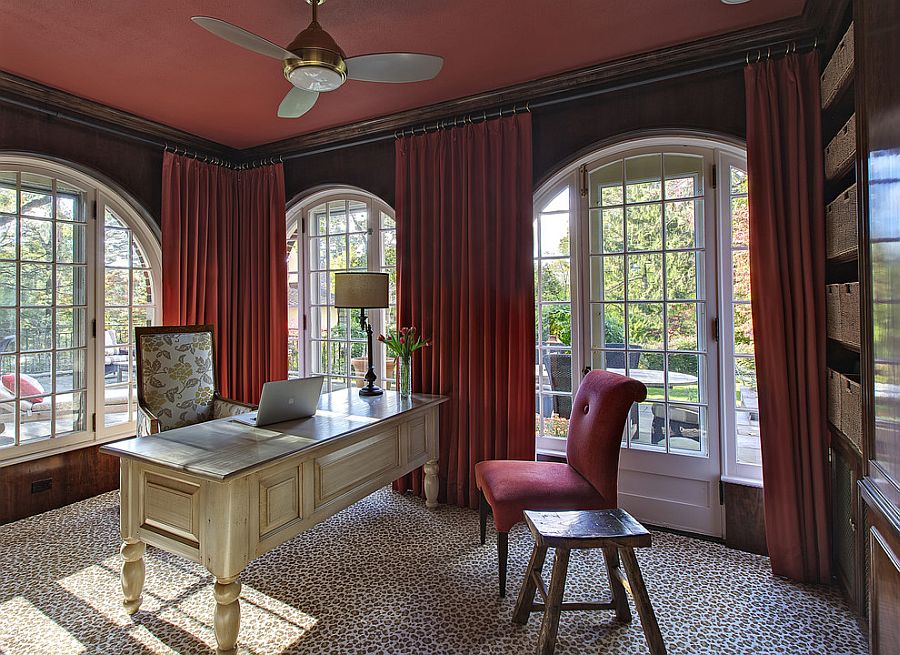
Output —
(613, 530)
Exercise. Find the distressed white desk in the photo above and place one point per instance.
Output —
(223, 493)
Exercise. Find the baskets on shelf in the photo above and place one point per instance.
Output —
(840, 153)
(845, 405)
(842, 312)
(839, 69)
(841, 225)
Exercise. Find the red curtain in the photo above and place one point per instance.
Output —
(464, 251)
(787, 275)
(224, 263)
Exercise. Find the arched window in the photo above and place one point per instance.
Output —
(328, 232)
(642, 268)
(78, 271)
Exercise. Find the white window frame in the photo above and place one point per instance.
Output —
(97, 195)
(298, 215)
(721, 153)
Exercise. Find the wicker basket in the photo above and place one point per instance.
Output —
(834, 388)
(851, 410)
(850, 313)
(833, 311)
(840, 225)
(840, 153)
(838, 70)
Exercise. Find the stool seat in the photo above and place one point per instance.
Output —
(617, 534)
(587, 529)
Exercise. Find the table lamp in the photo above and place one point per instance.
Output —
(363, 291)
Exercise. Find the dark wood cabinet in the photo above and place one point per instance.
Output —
(878, 161)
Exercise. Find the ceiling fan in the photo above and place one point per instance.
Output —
(314, 63)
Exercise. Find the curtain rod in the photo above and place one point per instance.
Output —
(480, 116)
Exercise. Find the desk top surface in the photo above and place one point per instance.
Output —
(224, 448)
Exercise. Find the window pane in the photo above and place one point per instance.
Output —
(686, 378)
(37, 240)
(647, 425)
(741, 274)
(684, 224)
(337, 217)
(8, 286)
(556, 321)
(684, 275)
(645, 277)
(37, 284)
(9, 237)
(740, 222)
(738, 181)
(683, 323)
(684, 175)
(605, 185)
(644, 227)
(70, 327)
(608, 230)
(554, 235)
(116, 289)
(745, 383)
(555, 282)
(118, 247)
(359, 216)
(608, 325)
(71, 413)
(687, 429)
(608, 278)
(645, 326)
(643, 178)
(743, 330)
(70, 243)
(142, 287)
(36, 329)
(71, 285)
(71, 371)
(36, 204)
(359, 255)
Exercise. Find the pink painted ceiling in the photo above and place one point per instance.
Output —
(146, 57)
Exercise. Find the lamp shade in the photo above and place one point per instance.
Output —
(361, 290)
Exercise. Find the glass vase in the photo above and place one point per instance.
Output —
(405, 375)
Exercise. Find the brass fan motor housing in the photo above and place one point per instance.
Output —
(315, 47)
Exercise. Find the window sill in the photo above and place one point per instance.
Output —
(745, 482)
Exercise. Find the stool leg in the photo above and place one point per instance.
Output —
(482, 514)
(550, 624)
(502, 556)
(529, 585)
(642, 602)
(620, 600)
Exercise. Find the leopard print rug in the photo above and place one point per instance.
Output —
(389, 576)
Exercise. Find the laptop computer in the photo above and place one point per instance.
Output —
(285, 400)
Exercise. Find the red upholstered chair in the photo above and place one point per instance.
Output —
(587, 481)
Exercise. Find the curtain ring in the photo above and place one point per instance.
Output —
(484, 117)
(769, 54)
(747, 58)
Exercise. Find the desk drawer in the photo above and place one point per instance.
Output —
(170, 508)
(340, 472)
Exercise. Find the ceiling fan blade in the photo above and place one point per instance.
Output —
(296, 103)
(242, 37)
(394, 67)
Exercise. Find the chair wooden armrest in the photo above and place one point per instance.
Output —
(223, 407)
(147, 423)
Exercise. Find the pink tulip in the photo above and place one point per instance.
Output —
(402, 340)
(381, 337)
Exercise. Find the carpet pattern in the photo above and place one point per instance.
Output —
(389, 576)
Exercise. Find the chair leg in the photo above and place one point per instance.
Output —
(502, 555)
(482, 514)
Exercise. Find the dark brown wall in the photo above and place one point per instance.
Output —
(369, 167)
(135, 167)
(74, 476)
(711, 102)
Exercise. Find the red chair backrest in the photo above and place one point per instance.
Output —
(597, 423)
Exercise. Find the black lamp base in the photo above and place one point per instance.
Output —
(371, 391)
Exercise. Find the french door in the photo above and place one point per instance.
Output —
(645, 226)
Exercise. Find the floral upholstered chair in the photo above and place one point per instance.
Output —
(176, 372)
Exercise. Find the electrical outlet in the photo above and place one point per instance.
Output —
(41, 485)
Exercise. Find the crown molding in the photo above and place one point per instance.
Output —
(23, 92)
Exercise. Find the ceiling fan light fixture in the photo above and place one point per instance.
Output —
(313, 77)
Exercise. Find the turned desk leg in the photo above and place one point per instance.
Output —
(132, 551)
(227, 621)
(431, 484)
